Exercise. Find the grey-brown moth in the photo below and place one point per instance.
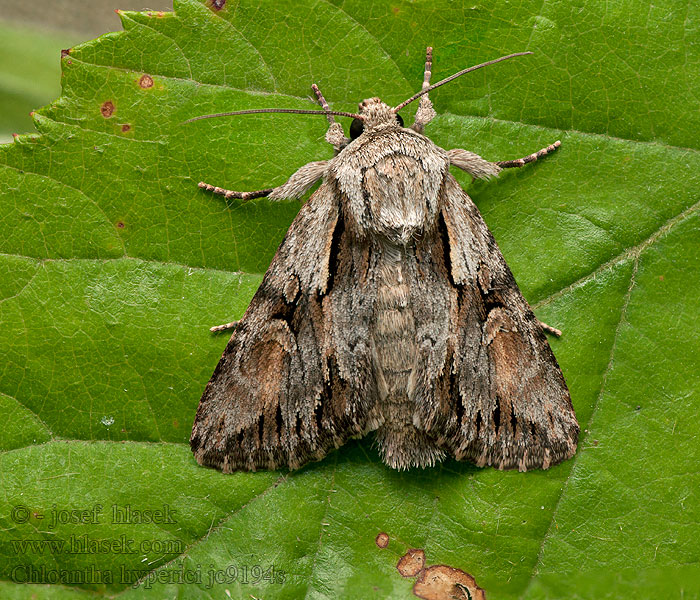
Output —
(388, 307)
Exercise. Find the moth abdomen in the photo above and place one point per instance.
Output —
(394, 335)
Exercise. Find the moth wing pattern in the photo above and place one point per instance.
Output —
(501, 399)
(279, 396)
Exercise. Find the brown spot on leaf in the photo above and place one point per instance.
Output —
(176, 423)
(107, 109)
(411, 563)
(441, 582)
(395, 9)
(120, 224)
(382, 540)
(146, 81)
(218, 4)
(661, 277)
(65, 52)
(436, 582)
(126, 127)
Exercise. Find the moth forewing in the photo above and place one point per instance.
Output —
(388, 307)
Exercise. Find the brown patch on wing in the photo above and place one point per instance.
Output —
(441, 582)
(291, 288)
(266, 360)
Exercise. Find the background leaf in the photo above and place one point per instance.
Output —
(113, 265)
(29, 74)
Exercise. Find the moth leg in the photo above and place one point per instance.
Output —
(225, 326)
(519, 162)
(480, 168)
(335, 135)
(477, 167)
(294, 187)
(549, 329)
(231, 194)
(425, 112)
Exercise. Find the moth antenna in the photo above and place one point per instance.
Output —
(451, 77)
(295, 111)
(323, 103)
(427, 72)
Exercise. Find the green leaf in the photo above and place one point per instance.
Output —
(114, 264)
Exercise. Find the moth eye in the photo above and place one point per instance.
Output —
(356, 128)
(399, 119)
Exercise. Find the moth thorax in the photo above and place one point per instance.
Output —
(400, 198)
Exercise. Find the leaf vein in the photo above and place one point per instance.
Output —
(631, 252)
(565, 487)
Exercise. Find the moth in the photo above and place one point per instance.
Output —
(387, 308)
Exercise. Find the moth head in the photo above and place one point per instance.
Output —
(373, 114)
